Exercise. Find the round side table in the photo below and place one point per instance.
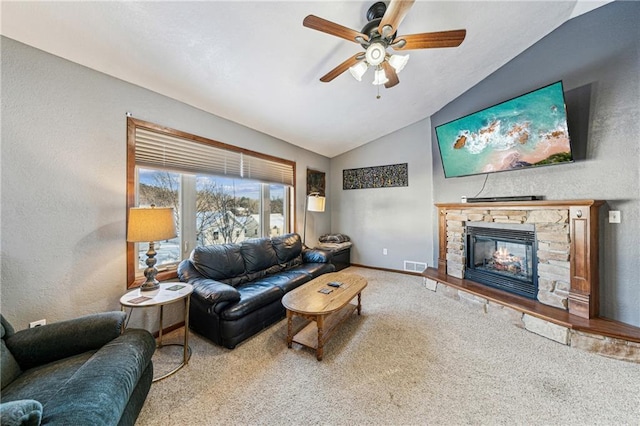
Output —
(167, 294)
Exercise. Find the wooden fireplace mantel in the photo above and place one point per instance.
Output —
(584, 246)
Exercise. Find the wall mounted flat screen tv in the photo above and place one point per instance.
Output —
(527, 131)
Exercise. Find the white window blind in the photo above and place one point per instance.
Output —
(160, 150)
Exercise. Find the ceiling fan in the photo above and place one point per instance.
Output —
(376, 36)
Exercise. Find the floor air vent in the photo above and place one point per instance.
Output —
(410, 265)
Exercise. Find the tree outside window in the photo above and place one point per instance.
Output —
(162, 189)
(226, 210)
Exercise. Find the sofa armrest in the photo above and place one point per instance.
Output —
(24, 412)
(316, 256)
(212, 291)
(100, 390)
(41, 345)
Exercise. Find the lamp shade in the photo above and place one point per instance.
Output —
(358, 70)
(398, 62)
(380, 77)
(150, 224)
(315, 203)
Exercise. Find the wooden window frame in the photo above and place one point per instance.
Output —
(132, 125)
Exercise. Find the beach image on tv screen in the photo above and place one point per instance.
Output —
(527, 131)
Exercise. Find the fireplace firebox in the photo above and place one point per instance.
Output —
(503, 256)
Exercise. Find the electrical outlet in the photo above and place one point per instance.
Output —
(614, 216)
(384, 251)
(37, 323)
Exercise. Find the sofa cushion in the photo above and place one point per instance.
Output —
(314, 269)
(8, 365)
(214, 291)
(36, 346)
(258, 255)
(253, 295)
(288, 280)
(288, 249)
(111, 374)
(49, 379)
(334, 238)
(316, 256)
(218, 262)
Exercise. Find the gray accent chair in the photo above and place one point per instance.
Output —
(83, 371)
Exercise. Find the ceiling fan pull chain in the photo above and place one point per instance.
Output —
(378, 97)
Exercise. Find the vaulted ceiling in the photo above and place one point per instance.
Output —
(255, 64)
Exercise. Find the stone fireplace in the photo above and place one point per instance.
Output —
(564, 307)
(565, 245)
(550, 229)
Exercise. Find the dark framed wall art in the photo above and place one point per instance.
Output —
(315, 182)
(376, 177)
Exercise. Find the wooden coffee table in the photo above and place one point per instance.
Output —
(325, 311)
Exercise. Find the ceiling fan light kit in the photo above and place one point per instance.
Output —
(358, 70)
(376, 53)
(376, 36)
(380, 77)
(398, 62)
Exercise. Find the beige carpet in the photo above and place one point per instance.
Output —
(413, 357)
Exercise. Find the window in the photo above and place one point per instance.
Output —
(226, 209)
(277, 207)
(160, 188)
(220, 193)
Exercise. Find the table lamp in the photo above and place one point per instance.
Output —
(150, 224)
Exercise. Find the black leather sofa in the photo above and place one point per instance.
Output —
(238, 288)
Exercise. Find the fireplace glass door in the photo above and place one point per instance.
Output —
(502, 258)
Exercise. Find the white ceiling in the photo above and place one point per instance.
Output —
(255, 64)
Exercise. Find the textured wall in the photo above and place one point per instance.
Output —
(64, 181)
(398, 219)
(598, 51)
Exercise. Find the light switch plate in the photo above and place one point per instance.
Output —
(614, 216)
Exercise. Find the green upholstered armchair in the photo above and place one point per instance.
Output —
(81, 371)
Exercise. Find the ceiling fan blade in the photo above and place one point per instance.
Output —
(342, 67)
(451, 38)
(394, 15)
(391, 75)
(322, 25)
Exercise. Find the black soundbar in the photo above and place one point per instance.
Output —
(502, 199)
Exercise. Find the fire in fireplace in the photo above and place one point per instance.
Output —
(503, 256)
